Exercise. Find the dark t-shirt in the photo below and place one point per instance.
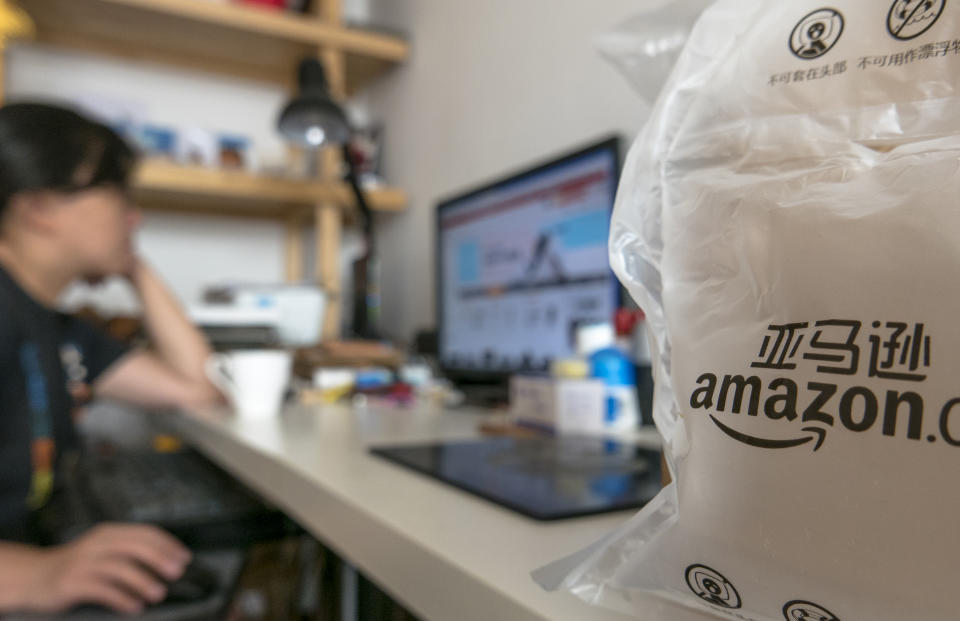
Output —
(42, 351)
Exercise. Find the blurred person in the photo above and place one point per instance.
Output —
(66, 216)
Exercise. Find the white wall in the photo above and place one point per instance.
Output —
(492, 86)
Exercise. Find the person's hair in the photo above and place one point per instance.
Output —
(47, 147)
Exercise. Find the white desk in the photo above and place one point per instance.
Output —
(442, 553)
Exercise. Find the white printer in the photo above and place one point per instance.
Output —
(246, 314)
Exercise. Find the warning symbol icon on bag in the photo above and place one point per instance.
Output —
(816, 33)
(710, 586)
(799, 610)
(909, 19)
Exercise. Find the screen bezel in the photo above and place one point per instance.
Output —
(611, 144)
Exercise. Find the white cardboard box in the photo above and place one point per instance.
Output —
(563, 405)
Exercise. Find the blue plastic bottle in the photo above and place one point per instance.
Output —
(611, 364)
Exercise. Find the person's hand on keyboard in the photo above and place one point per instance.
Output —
(122, 567)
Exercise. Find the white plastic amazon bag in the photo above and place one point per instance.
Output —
(789, 219)
(645, 46)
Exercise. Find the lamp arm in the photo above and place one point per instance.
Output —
(360, 196)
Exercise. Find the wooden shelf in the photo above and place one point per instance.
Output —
(164, 185)
(238, 40)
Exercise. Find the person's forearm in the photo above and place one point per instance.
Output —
(173, 375)
(177, 341)
(17, 575)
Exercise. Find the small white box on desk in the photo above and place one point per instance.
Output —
(563, 405)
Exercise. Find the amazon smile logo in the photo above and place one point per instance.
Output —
(811, 413)
(899, 354)
(819, 435)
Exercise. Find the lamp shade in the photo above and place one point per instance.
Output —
(312, 118)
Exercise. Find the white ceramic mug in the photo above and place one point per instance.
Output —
(254, 381)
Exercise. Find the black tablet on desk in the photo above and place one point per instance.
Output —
(542, 478)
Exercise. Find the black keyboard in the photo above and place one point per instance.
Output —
(168, 489)
(183, 493)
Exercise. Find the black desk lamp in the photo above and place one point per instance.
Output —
(312, 119)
